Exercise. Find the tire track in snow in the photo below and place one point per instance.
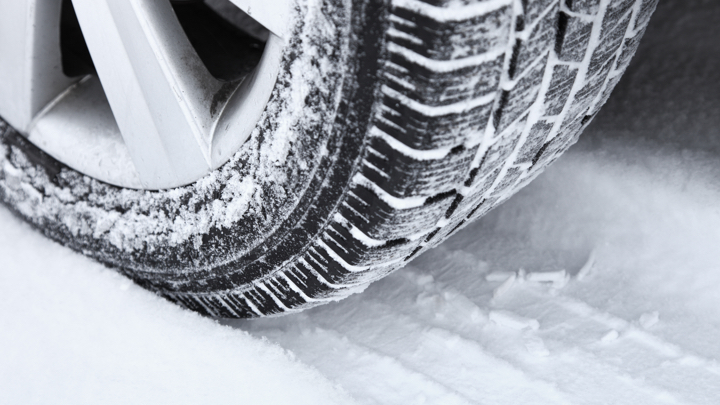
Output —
(644, 355)
(656, 364)
(458, 363)
(627, 329)
(453, 315)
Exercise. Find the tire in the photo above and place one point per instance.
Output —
(390, 127)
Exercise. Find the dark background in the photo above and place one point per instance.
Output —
(670, 93)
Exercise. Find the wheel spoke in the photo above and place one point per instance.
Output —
(271, 14)
(163, 99)
(30, 67)
(167, 107)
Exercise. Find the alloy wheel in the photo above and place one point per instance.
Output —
(147, 94)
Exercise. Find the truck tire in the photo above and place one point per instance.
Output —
(391, 126)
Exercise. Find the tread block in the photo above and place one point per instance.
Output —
(434, 87)
(589, 7)
(527, 179)
(331, 271)
(568, 135)
(573, 38)
(448, 229)
(483, 185)
(646, 9)
(514, 103)
(535, 140)
(377, 219)
(421, 132)
(482, 208)
(561, 84)
(575, 130)
(612, 82)
(498, 153)
(215, 306)
(585, 96)
(510, 177)
(609, 46)
(263, 301)
(470, 213)
(541, 39)
(533, 9)
(571, 127)
(629, 47)
(238, 304)
(448, 40)
(356, 253)
(562, 148)
(570, 132)
(453, 207)
(548, 151)
(308, 281)
(282, 290)
(230, 305)
(404, 176)
(614, 12)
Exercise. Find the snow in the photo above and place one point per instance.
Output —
(596, 284)
(513, 321)
(74, 332)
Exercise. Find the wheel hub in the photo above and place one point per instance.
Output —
(156, 96)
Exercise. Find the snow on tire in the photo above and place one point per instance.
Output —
(391, 125)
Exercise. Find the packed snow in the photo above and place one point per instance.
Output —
(599, 283)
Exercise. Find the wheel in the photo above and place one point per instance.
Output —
(244, 167)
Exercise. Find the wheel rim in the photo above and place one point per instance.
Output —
(153, 116)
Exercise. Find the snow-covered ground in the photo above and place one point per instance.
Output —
(597, 284)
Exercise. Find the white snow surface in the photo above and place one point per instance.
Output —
(599, 283)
